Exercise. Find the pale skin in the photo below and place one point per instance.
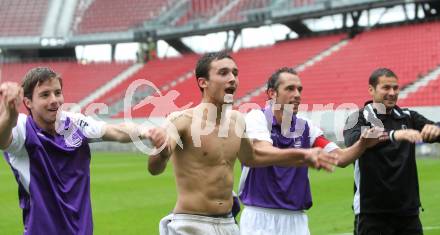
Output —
(204, 175)
(46, 101)
(386, 92)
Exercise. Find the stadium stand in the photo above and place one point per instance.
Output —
(338, 78)
(188, 91)
(22, 17)
(201, 10)
(115, 15)
(237, 13)
(343, 76)
(428, 95)
(159, 72)
(255, 65)
(79, 80)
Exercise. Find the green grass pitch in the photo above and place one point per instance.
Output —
(127, 200)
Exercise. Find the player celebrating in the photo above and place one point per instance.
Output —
(49, 154)
(204, 166)
(276, 198)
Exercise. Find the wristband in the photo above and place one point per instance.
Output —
(392, 136)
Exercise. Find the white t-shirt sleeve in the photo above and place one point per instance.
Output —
(91, 128)
(256, 126)
(315, 133)
(18, 135)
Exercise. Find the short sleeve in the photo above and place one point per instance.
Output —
(91, 128)
(18, 135)
(317, 139)
(315, 132)
(256, 126)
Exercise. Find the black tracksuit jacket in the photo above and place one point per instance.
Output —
(386, 178)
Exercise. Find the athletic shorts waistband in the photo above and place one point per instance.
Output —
(216, 219)
(227, 215)
(274, 211)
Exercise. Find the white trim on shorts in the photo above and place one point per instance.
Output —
(266, 221)
(190, 224)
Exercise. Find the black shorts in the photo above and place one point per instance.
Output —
(384, 224)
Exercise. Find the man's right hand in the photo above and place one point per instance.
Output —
(158, 160)
(159, 139)
(373, 136)
(409, 135)
(319, 159)
(11, 95)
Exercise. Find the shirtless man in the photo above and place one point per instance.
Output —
(212, 141)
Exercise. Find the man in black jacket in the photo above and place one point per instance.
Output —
(387, 200)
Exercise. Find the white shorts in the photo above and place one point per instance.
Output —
(264, 221)
(187, 224)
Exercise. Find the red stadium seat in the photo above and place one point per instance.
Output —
(410, 51)
(255, 66)
(115, 15)
(79, 80)
(159, 72)
(22, 17)
(428, 95)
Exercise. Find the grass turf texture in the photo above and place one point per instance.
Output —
(127, 200)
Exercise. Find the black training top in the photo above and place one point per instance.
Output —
(386, 175)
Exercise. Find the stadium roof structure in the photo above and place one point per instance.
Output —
(84, 22)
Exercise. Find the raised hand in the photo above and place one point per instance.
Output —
(11, 95)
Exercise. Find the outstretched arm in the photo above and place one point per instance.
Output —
(262, 153)
(367, 140)
(257, 150)
(11, 96)
(257, 153)
(123, 132)
(429, 131)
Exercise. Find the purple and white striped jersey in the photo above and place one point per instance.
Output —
(279, 187)
(53, 173)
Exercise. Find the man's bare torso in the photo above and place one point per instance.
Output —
(204, 174)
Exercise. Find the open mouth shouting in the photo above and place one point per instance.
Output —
(229, 95)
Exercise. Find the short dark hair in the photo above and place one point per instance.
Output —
(273, 83)
(204, 64)
(374, 77)
(37, 76)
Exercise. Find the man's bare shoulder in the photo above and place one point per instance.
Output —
(237, 116)
(181, 119)
(180, 115)
(238, 119)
